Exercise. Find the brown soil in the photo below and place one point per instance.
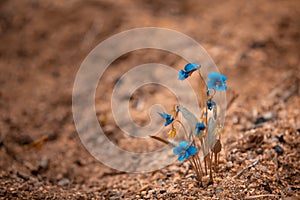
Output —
(255, 43)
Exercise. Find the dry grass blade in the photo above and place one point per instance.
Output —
(161, 140)
(235, 96)
(261, 196)
(247, 168)
(37, 144)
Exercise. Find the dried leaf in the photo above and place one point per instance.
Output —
(190, 118)
(217, 147)
(37, 144)
(211, 136)
(162, 140)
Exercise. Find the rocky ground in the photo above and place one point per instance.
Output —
(255, 43)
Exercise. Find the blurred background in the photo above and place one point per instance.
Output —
(42, 44)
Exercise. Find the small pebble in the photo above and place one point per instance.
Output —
(63, 182)
(254, 112)
(273, 140)
(162, 191)
(44, 164)
(268, 116)
(23, 139)
(23, 175)
(281, 139)
(264, 118)
(258, 44)
(229, 165)
(260, 151)
(279, 150)
(259, 120)
(235, 120)
(162, 184)
(193, 177)
(251, 155)
(264, 168)
(169, 174)
(219, 190)
(291, 188)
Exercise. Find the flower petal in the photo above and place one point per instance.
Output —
(211, 84)
(163, 115)
(217, 81)
(169, 120)
(191, 67)
(192, 150)
(199, 127)
(183, 145)
(211, 136)
(181, 157)
(214, 75)
(191, 119)
(177, 150)
(223, 77)
(187, 155)
(182, 75)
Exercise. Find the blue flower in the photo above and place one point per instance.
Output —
(188, 70)
(182, 75)
(210, 104)
(184, 151)
(216, 81)
(169, 118)
(199, 127)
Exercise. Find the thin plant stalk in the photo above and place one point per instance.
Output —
(200, 166)
(210, 168)
(216, 162)
(203, 89)
(184, 129)
(195, 169)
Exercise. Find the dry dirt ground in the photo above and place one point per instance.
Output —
(42, 44)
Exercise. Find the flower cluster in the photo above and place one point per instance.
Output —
(184, 150)
(204, 131)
